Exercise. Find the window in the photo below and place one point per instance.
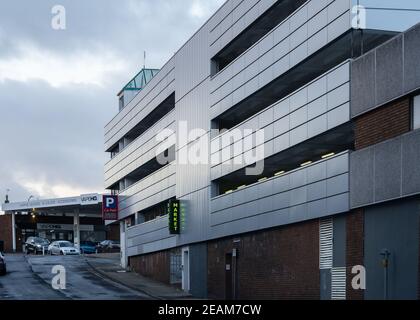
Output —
(416, 112)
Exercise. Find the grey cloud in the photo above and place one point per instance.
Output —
(56, 134)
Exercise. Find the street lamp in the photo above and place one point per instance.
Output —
(7, 196)
(29, 199)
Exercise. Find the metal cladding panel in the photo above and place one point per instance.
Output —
(233, 18)
(282, 200)
(385, 171)
(193, 112)
(153, 189)
(317, 107)
(280, 50)
(192, 63)
(137, 153)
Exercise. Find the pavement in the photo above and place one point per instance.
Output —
(108, 265)
(96, 277)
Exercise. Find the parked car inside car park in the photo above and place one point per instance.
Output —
(63, 248)
(36, 245)
(108, 245)
(88, 247)
(2, 265)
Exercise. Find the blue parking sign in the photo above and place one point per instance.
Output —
(109, 207)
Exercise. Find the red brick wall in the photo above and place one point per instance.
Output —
(113, 232)
(282, 263)
(154, 265)
(383, 123)
(6, 232)
(354, 249)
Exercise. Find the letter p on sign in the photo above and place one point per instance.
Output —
(109, 202)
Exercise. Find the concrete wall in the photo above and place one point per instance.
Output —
(386, 73)
(385, 171)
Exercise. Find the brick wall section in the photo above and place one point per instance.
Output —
(354, 249)
(6, 232)
(154, 265)
(383, 123)
(113, 232)
(282, 263)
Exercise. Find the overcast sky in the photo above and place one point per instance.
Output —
(58, 88)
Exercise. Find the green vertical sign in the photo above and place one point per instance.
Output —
(174, 215)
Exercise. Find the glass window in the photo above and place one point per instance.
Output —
(416, 112)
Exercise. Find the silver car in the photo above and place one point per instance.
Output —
(63, 248)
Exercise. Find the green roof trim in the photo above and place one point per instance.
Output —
(140, 80)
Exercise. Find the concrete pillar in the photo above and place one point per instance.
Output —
(76, 229)
(13, 232)
(124, 262)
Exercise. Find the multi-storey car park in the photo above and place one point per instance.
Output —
(333, 87)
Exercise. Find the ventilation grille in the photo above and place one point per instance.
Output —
(338, 284)
(326, 244)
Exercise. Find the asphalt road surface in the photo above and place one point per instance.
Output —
(29, 278)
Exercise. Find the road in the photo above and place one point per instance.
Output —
(30, 279)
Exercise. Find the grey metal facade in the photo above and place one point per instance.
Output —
(322, 106)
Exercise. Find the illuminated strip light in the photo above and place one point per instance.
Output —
(307, 163)
(241, 187)
(262, 179)
(329, 155)
(279, 173)
(229, 191)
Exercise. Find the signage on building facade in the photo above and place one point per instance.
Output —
(87, 199)
(63, 227)
(109, 207)
(176, 216)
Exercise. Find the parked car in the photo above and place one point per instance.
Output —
(88, 247)
(36, 244)
(2, 265)
(63, 248)
(108, 245)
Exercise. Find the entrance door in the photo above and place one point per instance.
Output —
(185, 269)
(228, 277)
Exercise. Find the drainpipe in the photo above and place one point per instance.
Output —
(385, 262)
